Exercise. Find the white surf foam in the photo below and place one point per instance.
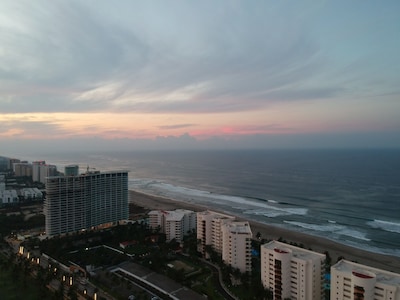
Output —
(385, 225)
(332, 228)
(189, 194)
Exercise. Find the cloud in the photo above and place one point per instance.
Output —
(30, 128)
(73, 57)
(228, 67)
(176, 126)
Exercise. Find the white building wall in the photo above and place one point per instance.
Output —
(350, 280)
(236, 245)
(175, 224)
(292, 272)
(9, 196)
(209, 230)
(156, 219)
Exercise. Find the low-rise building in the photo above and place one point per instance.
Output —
(8, 197)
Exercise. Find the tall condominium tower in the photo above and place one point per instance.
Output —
(85, 201)
(291, 272)
(236, 249)
(350, 280)
(209, 230)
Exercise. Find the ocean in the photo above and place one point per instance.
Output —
(349, 196)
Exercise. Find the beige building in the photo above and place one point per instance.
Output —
(23, 169)
(354, 281)
(209, 230)
(292, 272)
(236, 249)
(175, 224)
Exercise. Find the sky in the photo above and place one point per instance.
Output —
(112, 75)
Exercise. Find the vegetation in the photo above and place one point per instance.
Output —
(16, 282)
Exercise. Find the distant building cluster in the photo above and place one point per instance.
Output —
(12, 192)
(13, 196)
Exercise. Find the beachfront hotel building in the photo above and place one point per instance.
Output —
(175, 224)
(291, 272)
(354, 281)
(209, 230)
(86, 201)
(236, 245)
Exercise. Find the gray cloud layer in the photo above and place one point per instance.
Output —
(176, 57)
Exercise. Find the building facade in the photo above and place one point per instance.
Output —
(23, 169)
(41, 170)
(85, 201)
(209, 230)
(71, 170)
(354, 281)
(236, 249)
(175, 224)
(291, 272)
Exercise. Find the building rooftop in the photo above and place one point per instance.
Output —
(239, 227)
(216, 214)
(296, 251)
(174, 216)
(382, 276)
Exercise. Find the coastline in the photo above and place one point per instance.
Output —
(269, 232)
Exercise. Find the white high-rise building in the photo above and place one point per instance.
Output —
(209, 230)
(236, 249)
(292, 272)
(85, 201)
(354, 281)
(175, 224)
(41, 170)
(36, 168)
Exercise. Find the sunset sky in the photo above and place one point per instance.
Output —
(171, 74)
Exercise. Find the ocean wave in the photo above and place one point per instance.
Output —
(271, 208)
(333, 228)
(274, 212)
(385, 225)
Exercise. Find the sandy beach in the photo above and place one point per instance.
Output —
(269, 232)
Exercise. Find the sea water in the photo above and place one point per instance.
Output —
(350, 196)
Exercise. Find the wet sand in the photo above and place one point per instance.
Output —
(270, 232)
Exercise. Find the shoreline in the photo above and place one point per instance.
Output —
(270, 232)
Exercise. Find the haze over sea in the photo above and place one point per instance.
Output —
(350, 196)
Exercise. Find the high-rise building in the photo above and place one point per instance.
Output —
(236, 249)
(71, 170)
(175, 224)
(36, 168)
(85, 201)
(292, 272)
(4, 163)
(209, 230)
(354, 281)
(23, 169)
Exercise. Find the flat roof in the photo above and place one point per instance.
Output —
(297, 252)
(382, 276)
